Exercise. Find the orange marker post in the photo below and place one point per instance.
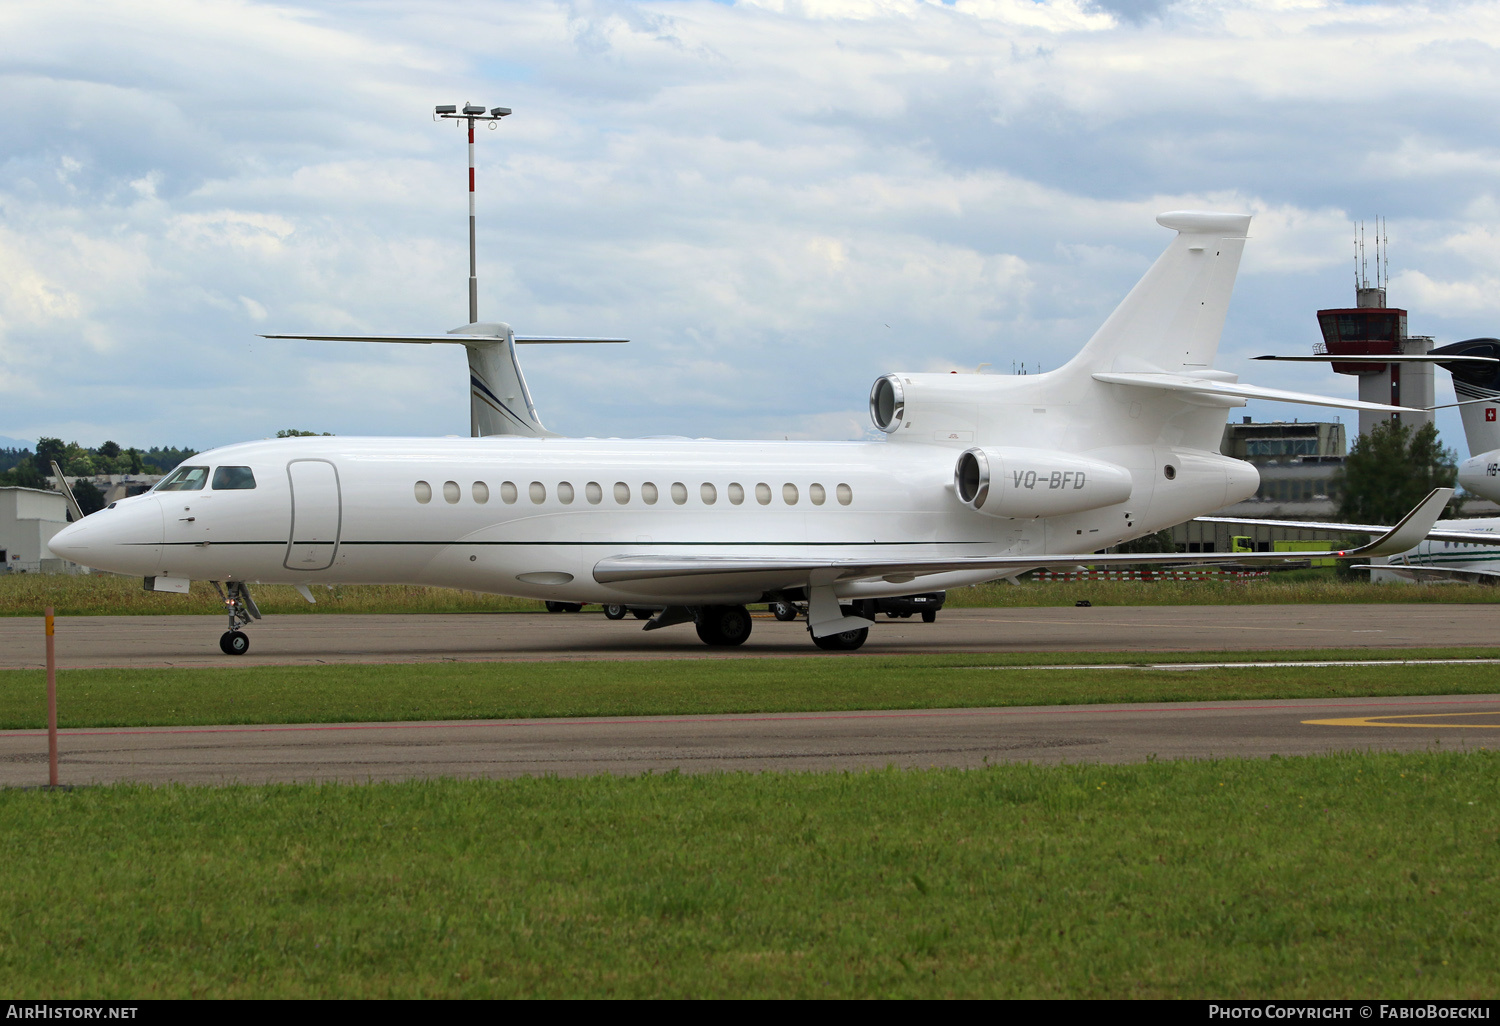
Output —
(51, 704)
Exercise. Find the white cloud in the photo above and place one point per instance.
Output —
(777, 201)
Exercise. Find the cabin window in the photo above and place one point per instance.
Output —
(736, 493)
(508, 492)
(565, 493)
(451, 492)
(649, 494)
(789, 494)
(817, 495)
(708, 493)
(679, 492)
(622, 492)
(538, 492)
(424, 492)
(481, 492)
(185, 479)
(593, 493)
(233, 478)
(845, 494)
(763, 494)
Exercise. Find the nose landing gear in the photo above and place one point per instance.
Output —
(242, 610)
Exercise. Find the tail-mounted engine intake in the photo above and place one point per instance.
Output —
(1024, 484)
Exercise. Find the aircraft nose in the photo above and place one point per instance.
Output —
(71, 542)
(125, 539)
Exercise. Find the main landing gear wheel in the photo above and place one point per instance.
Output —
(642, 614)
(564, 607)
(724, 625)
(784, 611)
(614, 612)
(234, 642)
(848, 641)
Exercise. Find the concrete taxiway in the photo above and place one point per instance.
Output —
(360, 752)
(160, 641)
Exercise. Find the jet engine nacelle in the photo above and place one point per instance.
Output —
(1029, 483)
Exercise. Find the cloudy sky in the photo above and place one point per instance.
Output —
(775, 200)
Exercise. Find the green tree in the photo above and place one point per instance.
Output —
(78, 461)
(1392, 469)
(49, 449)
(134, 464)
(25, 474)
(110, 450)
(90, 499)
(294, 433)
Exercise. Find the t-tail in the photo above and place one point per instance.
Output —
(1477, 385)
(1171, 321)
(499, 401)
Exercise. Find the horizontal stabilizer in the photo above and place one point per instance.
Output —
(1188, 383)
(1381, 358)
(423, 340)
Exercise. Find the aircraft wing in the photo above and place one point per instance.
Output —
(1235, 390)
(794, 570)
(1437, 534)
(1428, 573)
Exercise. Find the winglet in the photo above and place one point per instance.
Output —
(1412, 528)
(62, 486)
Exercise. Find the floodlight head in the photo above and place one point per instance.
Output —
(499, 112)
(472, 108)
(446, 108)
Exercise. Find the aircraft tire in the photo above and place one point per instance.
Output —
(929, 616)
(784, 611)
(848, 641)
(724, 625)
(614, 612)
(556, 607)
(234, 643)
(642, 614)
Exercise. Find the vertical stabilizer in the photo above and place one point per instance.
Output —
(1171, 321)
(499, 402)
(1477, 385)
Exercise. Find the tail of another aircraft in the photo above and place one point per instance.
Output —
(1476, 381)
(499, 401)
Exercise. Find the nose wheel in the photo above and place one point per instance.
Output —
(241, 609)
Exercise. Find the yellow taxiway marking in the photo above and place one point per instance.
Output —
(1387, 721)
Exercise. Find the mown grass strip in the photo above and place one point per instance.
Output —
(1352, 875)
(109, 595)
(442, 691)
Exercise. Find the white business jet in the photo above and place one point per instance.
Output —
(978, 477)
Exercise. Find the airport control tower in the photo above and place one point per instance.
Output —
(1371, 328)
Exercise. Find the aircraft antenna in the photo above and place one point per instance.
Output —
(472, 112)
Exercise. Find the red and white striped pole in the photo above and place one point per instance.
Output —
(473, 266)
(471, 113)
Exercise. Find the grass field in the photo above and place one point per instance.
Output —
(438, 691)
(106, 594)
(1337, 876)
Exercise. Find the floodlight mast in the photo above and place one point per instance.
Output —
(471, 113)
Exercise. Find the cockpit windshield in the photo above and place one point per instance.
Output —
(233, 477)
(185, 479)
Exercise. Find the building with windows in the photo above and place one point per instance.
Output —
(29, 517)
